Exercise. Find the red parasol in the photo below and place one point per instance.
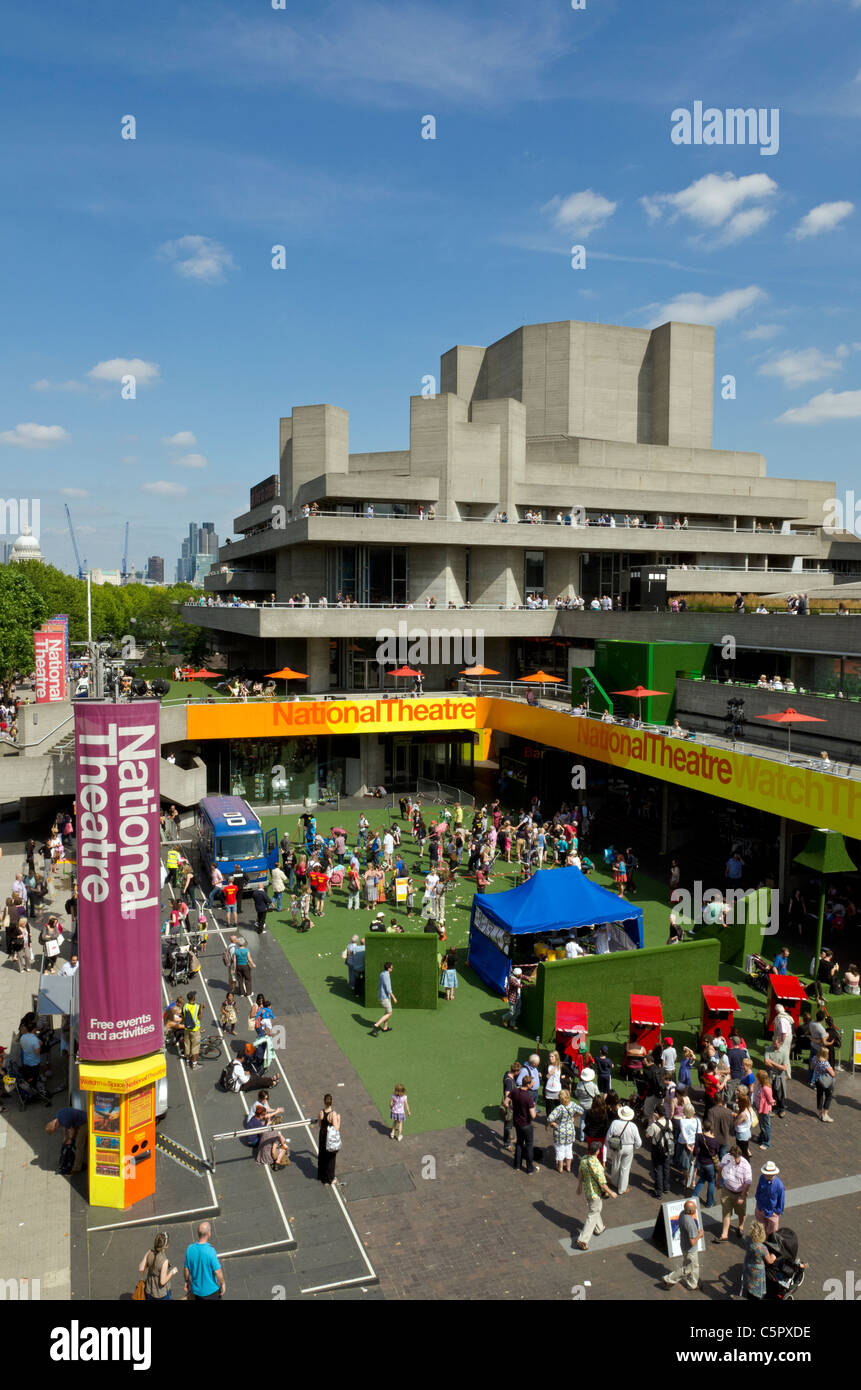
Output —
(789, 717)
(542, 678)
(287, 674)
(640, 693)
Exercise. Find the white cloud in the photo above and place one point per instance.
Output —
(192, 461)
(35, 436)
(718, 200)
(823, 218)
(798, 368)
(763, 332)
(830, 405)
(164, 489)
(197, 258)
(183, 439)
(709, 309)
(580, 213)
(129, 458)
(744, 224)
(115, 368)
(74, 492)
(45, 385)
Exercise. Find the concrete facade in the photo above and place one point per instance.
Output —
(589, 421)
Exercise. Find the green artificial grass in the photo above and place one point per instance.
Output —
(452, 1059)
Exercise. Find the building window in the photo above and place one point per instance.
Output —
(533, 578)
(467, 574)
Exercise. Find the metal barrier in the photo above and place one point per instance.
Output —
(244, 1133)
(443, 792)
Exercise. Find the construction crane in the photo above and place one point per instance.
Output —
(125, 569)
(81, 570)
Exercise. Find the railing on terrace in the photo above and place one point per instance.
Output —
(552, 697)
(593, 520)
(441, 609)
(756, 750)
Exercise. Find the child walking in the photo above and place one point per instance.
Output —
(228, 1015)
(400, 1107)
(448, 981)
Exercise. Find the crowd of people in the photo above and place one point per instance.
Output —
(695, 1138)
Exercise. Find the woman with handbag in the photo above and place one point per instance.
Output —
(156, 1271)
(329, 1143)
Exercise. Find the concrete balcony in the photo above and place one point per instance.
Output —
(240, 581)
(385, 531)
(701, 705)
(280, 621)
(776, 580)
(776, 632)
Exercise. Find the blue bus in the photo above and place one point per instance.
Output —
(229, 833)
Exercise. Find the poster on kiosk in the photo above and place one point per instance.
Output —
(119, 888)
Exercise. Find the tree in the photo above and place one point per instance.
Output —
(22, 611)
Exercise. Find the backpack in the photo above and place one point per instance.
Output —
(229, 1079)
(665, 1142)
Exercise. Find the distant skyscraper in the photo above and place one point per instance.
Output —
(201, 542)
(155, 569)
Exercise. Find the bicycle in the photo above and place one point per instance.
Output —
(211, 1047)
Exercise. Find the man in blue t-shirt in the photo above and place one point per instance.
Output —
(73, 1123)
(204, 1278)
(31, 1049)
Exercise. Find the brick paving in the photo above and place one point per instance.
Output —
(34, 1201)
(444, 1215)
(469, 1226)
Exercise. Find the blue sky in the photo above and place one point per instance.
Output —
(302, 127)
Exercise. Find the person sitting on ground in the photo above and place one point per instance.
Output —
(244, 1079)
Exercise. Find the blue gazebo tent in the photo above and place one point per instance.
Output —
(552, 901)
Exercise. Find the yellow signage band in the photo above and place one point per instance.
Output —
(804, 794)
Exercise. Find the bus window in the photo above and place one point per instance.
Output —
(248, 845)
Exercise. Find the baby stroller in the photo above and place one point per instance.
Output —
(786, 1275)
(177, 962)
(759, 973)
(15, 1083)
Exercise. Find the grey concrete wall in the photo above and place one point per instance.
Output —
(180, 785)
(702, 705)
(459, 370)
(429, 572)
(317, 668)
(683, 384)
(777, 632)
(319, 436)
(41, 726)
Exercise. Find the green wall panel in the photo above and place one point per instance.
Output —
(605, 983)
(415, 977)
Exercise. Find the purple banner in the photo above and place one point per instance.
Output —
(64, 619)
(119, 881)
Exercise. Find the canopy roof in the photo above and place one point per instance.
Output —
(646, 1008)
(787, 987)
(719, 999)
(557, 900)
(571, 1018)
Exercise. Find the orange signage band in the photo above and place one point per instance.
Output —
(804, 794)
